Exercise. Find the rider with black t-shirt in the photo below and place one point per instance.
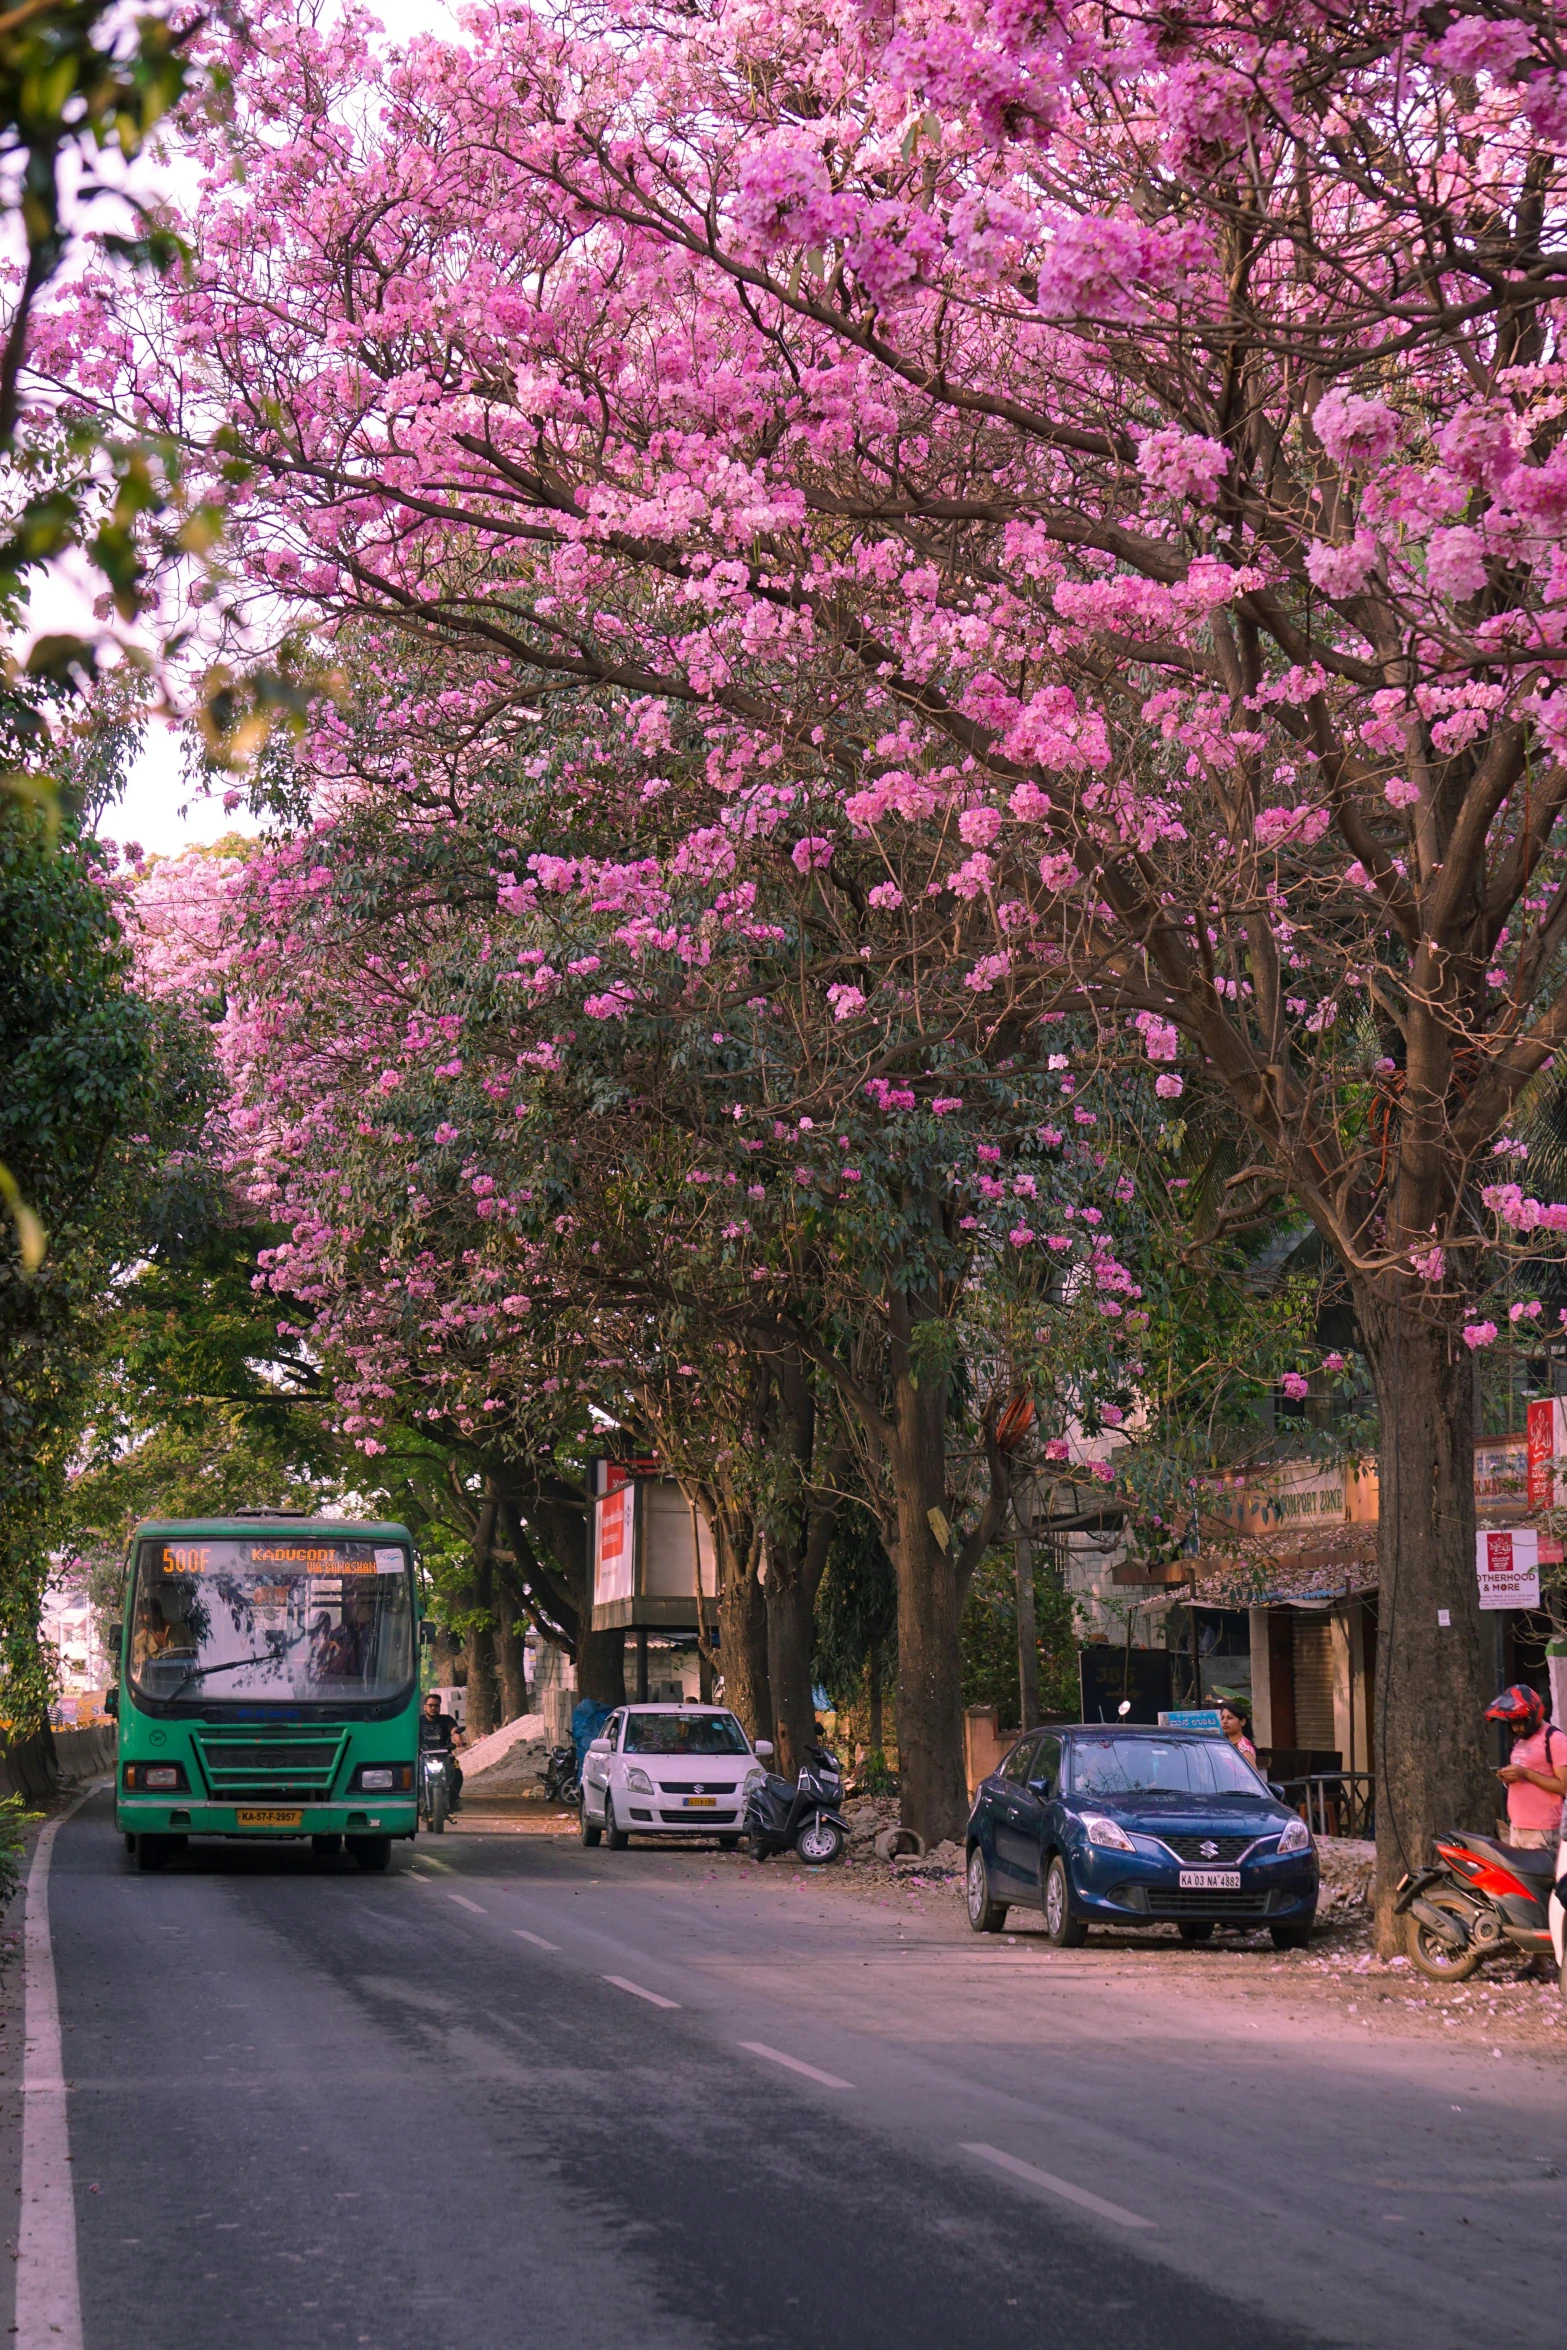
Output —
(438, 1729)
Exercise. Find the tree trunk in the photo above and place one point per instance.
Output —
(875, 1708)
(483, 1684)
(742, 1631)
(930, 1703)
(1432, 1674)
(601, 1667)
(791, 1612)
(510, 1656)
(599, 1657)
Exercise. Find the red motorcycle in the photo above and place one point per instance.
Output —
(1484, 1898)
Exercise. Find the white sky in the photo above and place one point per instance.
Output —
(155, 810)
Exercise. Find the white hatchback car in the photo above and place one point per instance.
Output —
(669, 1770)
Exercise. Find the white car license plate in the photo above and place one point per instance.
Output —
(1210, 1880)
(701, 1803)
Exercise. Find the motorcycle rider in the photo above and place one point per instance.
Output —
(438, 1729)
(1535, 1774)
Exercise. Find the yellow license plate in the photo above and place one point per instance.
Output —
(269, 1819)
(701, 1803)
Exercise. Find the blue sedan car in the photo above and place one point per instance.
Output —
(1111, 1824)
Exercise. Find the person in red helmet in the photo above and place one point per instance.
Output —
(1535, 1774)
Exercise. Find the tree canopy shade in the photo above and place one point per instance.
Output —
(103, 1091)
(1113, 456)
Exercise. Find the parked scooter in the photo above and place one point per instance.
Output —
(435, 1788)
(561, 1783)
(1479, 1897)
(802, 1816)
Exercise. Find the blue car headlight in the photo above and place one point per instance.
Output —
(1296, 1838)
(1099, 1830)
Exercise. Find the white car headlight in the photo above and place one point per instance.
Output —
(752, 1780)
(1099, 1830)
(638, 1781)
(1296, 1838)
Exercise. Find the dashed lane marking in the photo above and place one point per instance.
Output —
(537, 1940)
(463, 1902)
(1062, 2187)
(794, 2064)
(653, 1998)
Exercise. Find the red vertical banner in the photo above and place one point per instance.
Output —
(1542, 1454)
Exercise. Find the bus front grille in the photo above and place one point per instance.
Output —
(241, 1769)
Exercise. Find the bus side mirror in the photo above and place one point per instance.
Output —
(111, 1702)
(426, 1632)
(114, 1638)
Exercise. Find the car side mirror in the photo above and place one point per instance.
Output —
(762, 1748)
(601, 1746)
(1043, 1788)
(426, 1632)
(111, 1702)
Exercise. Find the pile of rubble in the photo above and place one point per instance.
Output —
(510, 1761)
(877, 1841)
(1346, 1864)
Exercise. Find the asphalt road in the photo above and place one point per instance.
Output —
(437, 2110)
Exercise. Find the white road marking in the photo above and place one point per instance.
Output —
(429, 1861)
(1062, 2187)
(463, 1902)
(794, 2065)
(653, 1998)
(537, 1940)
(48, 2294)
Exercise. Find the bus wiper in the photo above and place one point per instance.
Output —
(259, 1656)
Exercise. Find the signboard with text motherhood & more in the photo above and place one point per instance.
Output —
(1507, 1561)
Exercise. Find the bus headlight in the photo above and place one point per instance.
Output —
(383, 1778)
(156, 1778)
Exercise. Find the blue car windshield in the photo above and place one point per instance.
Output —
(1158, 1766)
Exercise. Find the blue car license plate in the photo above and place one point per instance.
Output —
(1210, 1880)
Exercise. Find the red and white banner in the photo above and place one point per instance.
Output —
(1547, 1446)
(1507, 1561)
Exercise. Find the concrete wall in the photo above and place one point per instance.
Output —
(34, 1767)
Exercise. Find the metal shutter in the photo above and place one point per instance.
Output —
(1312, 1647)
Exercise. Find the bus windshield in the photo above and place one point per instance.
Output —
(287, 1617)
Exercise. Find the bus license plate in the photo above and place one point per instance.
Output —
(701, 1803)
(269, 1819)
(1210, 1880)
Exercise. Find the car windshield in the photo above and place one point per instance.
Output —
(1160, 1766)
(684, 1734)
(284, 1617)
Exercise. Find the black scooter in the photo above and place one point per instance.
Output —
(561, 1782)
(802, 1817)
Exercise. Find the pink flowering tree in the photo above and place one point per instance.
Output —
(566, 1085)
(1119, 455)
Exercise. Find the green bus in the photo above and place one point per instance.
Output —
(269, 1685)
